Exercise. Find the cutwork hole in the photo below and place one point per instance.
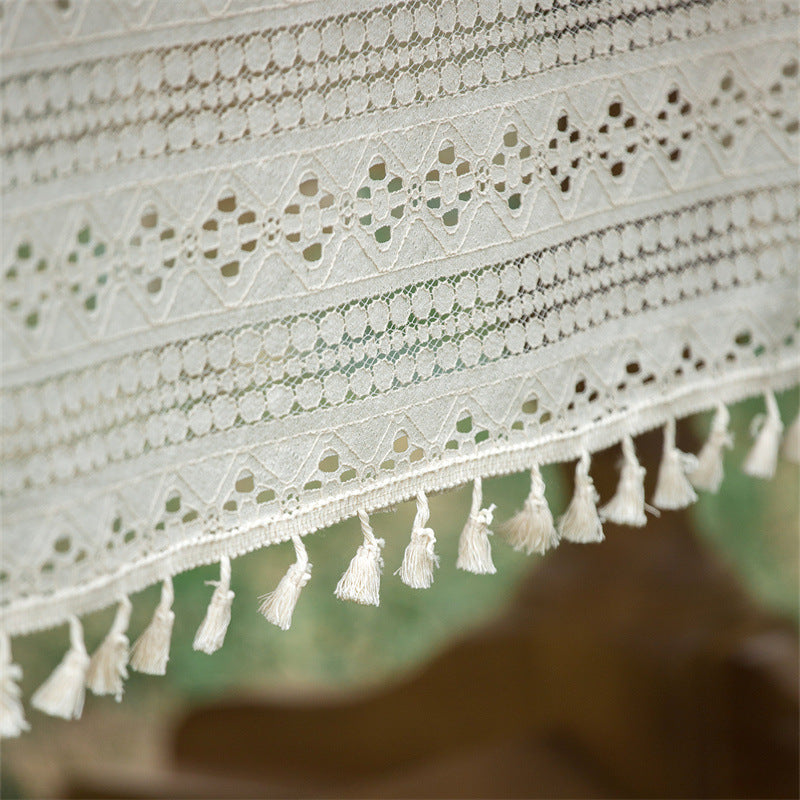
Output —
(377, 172)
(329, 463)
(313, 252)
(245, 484)
(227, 204)
(464, 425)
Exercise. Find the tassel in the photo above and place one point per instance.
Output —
(108, 667)
(791, 442)
(532, 529)
(581, 522)
(762, 459)
(12, 714)
(361, 581)
(211, 633)
(709, 472)
(62, 694)
(419, 559)
(673, 489)
(278, 606)
(626, 507)
(150, 653)
(474, 549)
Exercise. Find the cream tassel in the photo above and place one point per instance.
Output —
(626, 507)
(108, 667)
(361, 581)
(420, 559)
(62, 694)
(211, 633)
(762, 459)
(673, 489)
(278, 606)
(12, 714)
(709, 472)
(474, 549)
(150, 653)
(581, 522)
(791, 442)
(532, 528)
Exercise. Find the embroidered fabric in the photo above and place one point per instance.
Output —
(269, 265)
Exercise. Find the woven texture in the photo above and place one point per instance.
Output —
(266, 267)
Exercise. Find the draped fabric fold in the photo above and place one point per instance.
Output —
(266, 268)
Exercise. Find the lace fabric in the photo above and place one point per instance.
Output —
(267, 268)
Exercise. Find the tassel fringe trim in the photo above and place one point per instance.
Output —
(420, 559)
(707, 475)
(150, 652)
(211, 633)
(12, 714)
(673, 488)
(581, 523)
(108, 668)
(62, 694)
(627, 506)
(278, 606)
(361, 581)
(530, 530)
(762, 459)
(474, 548)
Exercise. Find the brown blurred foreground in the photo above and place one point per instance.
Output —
(636, 668)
